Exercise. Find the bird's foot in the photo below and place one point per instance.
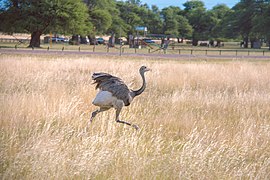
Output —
(127, 123)
(89, 123)
(135, 126)
(91, 120)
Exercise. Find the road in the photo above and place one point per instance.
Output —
(150, 55)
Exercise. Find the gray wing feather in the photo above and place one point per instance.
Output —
(100, 78)
(115, 85)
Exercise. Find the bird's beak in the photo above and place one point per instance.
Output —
(148, 69)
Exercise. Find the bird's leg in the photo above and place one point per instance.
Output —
(96, 112)
(94, 115)
(118, 110)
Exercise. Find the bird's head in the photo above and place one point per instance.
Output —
(144, 69)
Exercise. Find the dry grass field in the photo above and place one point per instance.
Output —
(198, 120)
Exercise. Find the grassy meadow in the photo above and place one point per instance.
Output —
(197, 119)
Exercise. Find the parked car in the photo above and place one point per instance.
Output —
(149, 41)
(59, 39)
(100, 40)
(55, 39)
(84, 40)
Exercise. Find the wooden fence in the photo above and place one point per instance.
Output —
(170, 50)
(6, 40)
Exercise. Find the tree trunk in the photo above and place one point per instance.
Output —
(92, 39)
(246, 42)
(35, 39)
(112, 40)
(252, 41)
(195, 42)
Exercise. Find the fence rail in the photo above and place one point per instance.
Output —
(6, 40)
(179, 50)
(235, 52)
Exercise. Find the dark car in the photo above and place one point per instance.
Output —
(100, 41)
(149, 41)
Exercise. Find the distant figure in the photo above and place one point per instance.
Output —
(115, 93)
(242, 44)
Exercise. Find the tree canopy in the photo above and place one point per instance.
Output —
(43, 16)
(248, 20)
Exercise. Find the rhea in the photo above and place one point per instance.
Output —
(114, 93)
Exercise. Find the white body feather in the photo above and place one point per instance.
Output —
(106, 99)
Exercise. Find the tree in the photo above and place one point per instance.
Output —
(102, 13)
(175, 24)
(193, 4)
(169, 15)
(243, 14)
(101, 19)
(129, 11)
(261, 21)
(42, 16)
(221, 13)
(184, 28)
(153, 20)
(201, 21)
(150, 18)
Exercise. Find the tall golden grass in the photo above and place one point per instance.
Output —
(198, 120)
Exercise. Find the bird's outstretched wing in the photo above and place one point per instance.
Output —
(113, 84)
(99, 78)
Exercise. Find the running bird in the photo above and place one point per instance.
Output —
(114, 93)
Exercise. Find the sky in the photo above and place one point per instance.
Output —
(209, 4)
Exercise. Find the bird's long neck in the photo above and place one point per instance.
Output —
(139, 91)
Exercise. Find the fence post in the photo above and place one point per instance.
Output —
(16, 46)
(135, 50)
(219, 52)
(79, 48)
(206, 52)
(94, 48)
(263, 52)
(48, 48)
(108, 49)
(236, 52)
(248, 52)
(148, 50)
(179, 51)
(191, 51)
(63, 48)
